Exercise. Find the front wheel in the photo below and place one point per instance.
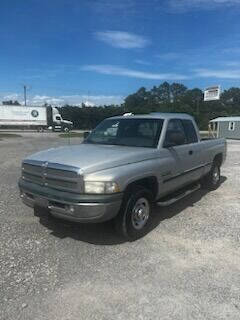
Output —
(212, 180)
(135, 215)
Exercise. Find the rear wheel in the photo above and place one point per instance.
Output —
(66, 129)
(212, 180)
(135, 215)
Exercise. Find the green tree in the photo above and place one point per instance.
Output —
(163, 98)
(11, 103)
(163, 93)
(177, 91)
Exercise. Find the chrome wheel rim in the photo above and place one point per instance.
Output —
(216, 175)
(140, 213)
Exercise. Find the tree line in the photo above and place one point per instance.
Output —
(166, 97)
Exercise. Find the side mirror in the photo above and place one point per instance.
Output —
(86, 134)
(174, 138)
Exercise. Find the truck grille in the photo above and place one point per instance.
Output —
(53, 175)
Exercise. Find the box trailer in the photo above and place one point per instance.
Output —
(39, 118)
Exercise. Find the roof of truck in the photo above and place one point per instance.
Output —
(155, 115)
(227, 119)
(20, 106)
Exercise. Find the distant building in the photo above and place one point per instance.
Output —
(226, 127)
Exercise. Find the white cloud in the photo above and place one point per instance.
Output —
(89, 104)
(232, 63)
(39, 100)
(142, 62)
(77, 100)
(118, 71)
(112, 6)
(93, 99)
(184, 5)
(231, 50)
(11, 96)
(169, 56)
(124, 40)
(219, 74)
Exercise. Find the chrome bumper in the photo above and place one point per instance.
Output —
(80, 210)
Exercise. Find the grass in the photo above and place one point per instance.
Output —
(71, 135)
(9, 135)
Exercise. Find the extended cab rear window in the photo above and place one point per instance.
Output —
(190, 131)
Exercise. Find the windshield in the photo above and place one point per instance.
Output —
(127, 132)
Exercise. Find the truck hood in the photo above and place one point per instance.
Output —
(67, 121)
(91, 158)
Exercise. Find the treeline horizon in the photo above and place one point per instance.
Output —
(166, 97)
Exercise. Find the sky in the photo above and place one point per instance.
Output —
(100, 51)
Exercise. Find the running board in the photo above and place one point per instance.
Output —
(169, 201)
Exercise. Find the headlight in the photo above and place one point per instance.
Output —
(101, 187)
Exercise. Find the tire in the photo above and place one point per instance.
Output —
(66, 129)
(135, 215)
(212, 180)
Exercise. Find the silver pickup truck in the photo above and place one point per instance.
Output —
(121, 169)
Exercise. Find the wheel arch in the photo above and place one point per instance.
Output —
(218, 159)
(150, 183)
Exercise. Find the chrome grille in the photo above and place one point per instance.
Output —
(32, 177)
(53, 175)
(57, 172)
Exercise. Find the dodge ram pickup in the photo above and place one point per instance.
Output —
(121, 169)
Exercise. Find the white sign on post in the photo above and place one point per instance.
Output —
(212, 93)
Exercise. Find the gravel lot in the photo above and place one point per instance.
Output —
(188, 267)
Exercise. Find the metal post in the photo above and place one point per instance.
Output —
(198, 100)
(25, 94)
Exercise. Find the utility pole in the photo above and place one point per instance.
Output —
(198, 100)
(25, 94)
(25, 88)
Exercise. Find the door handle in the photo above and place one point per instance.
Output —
(190, 152)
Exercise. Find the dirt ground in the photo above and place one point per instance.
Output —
(187, 267)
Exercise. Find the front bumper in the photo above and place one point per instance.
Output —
(71, 206)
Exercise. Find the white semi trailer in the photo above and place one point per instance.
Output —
(39, 118)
